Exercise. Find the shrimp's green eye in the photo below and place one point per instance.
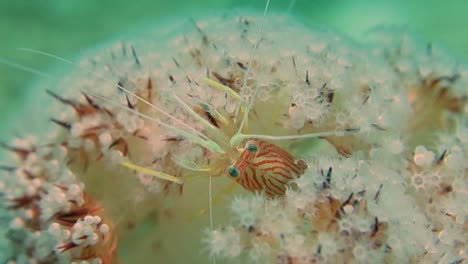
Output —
(233, 172)
(251, 147)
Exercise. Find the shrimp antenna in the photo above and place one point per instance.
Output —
(207, 143)
(239, 136)
(338, 133)
(151, 172)
(207, 125)
(246, 77)
(227, 90)
(210, 200)
(207, 107)
(118, 85)
(291, 6)
(26, 69)
(223, 88)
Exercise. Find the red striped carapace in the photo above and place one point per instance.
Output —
(265, 167)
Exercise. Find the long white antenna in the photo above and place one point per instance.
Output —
(337, 133)
(246, 114)
(118, 85)
(246, 77)
(207, 125)
(26, 69)
(210, 197)
(291, 6)
(207, 143)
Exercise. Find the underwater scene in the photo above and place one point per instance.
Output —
(222, 131)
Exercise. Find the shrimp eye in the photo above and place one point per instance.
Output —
(251, 147)
(233, 171)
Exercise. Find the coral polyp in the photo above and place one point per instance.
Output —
(370, 136)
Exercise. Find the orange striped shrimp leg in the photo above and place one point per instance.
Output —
(265, 167)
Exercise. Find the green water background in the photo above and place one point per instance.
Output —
(67, 28)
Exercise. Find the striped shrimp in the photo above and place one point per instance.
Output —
(251, 160)
(263, 166)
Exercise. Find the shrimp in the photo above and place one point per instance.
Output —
(258, 166)
(249, 159)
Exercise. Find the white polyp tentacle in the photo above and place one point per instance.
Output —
(206, 143)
